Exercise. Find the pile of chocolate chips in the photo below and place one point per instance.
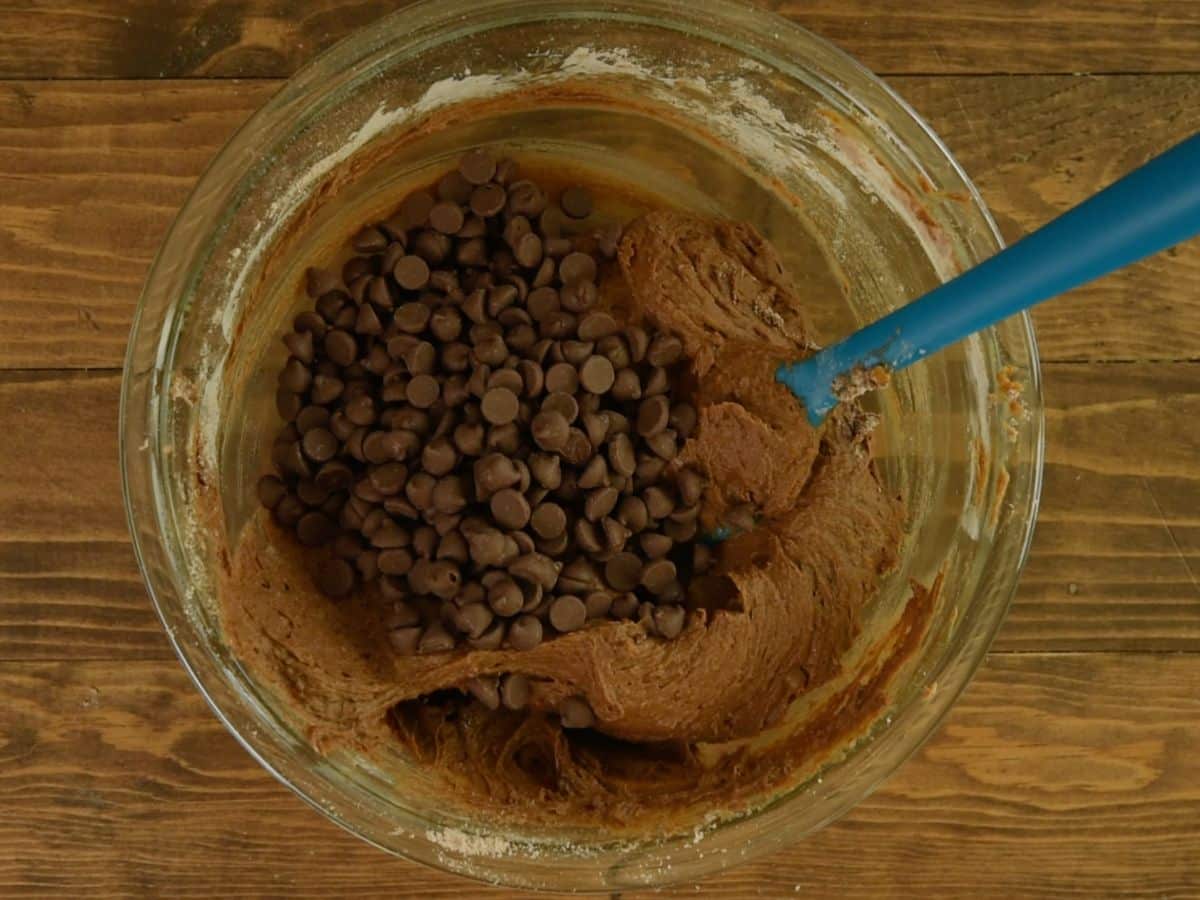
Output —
(465, 428)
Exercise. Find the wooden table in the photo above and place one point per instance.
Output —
(1071, 767)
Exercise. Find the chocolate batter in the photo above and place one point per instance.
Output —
(772, 620)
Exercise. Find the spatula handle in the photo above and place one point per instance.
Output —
(1150, 209)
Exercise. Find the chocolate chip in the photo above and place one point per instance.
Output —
(664, 444)
(528, 250)
(526, 633)
(525, 199)
(680, 532)
(314, 529)
(395, 561)
(446, 217)
(486, 690)
(487, 200)
(411, 273)
(594, 474)
(320, 445)
(654, 545)
(491, 350)
(438, 577)
(326, 389)
(494, 472)
(478, 166)
(311, 417)
(664, 350)
(423, 391)
(563, 403)
(270, 491)
(562, 378)
(435, 639)
(690, 485)
(621, 455)
(473, 619)
(659, 503)
(597, 375)
(510, 509)
(598, 604)
(576, 713)
(340, 347)
(505, 597)
(669, 620)
(615, 533)
(549, 520)
(578, 296)
(405, 640)
(490, 639)
(535, 568)
(576, 352)
(576, 267)
(515, 688)
(420, 357)
(652, 416)
(500, 405)
(550, 430)
(624, 606)
(578, 449)
(472, 252)
(449, 495)
(401, 614)
(627, 385)
(311, 322)
(656, 382)
(649, 469)
(486, 547)
(657, 575)
(623, 572)
(600, 503)
(367, 321)
(576, 202)
(567, 613)
(546, 269)
(595, 325)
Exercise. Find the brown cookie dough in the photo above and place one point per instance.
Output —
(771, 620)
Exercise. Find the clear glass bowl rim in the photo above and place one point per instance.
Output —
(280, 114)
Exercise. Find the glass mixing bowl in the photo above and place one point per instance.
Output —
(709, 105)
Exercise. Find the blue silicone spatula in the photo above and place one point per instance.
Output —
(1150, 209)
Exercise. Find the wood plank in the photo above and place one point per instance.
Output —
(70, 583)
(118, 781)
(90, 178)
(1036, 147)
(1114, 565)
(91, 175)
(1116, 554)
(271, 38)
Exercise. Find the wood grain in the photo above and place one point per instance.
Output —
(1054, 776)
(91, 175)
(68, 577)
(1114, 564)
(1036, 147)
(271, 38)
(90, 178)
(1116, 554)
